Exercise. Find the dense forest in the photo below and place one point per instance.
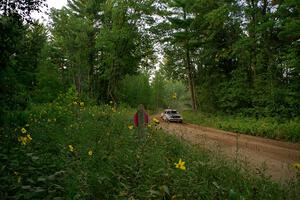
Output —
(227, 58)
(233, 56)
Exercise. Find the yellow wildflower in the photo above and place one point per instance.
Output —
(29, 137)
(174, 96)
(130, 127)
(23, 130)
(90, 152)
(297, 166)
(23, 140)
(71, 148)
(156, 121)
(149, 125)
(180, 165)
(82, 104)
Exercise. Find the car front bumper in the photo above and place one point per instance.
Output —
(175, 120)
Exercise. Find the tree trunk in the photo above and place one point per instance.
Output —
(191, 80)
(190, 70)
(91, 62)
(252, 34)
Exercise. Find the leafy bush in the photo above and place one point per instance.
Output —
(79, 151)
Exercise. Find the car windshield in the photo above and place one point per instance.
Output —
(173, 112)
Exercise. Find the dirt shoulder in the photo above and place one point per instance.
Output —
(275, 156)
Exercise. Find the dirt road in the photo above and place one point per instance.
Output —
(277, 157)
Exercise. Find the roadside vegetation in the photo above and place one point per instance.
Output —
(68, 91)
(69, 149)
(268, 127)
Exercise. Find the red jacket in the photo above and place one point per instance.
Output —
(136, 119)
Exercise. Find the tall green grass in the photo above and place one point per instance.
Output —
(121, 166)
(268, 127)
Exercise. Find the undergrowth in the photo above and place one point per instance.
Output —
(80, 151)
(288, 130)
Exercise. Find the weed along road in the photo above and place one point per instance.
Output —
(275, 158)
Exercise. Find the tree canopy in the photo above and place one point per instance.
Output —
(232, 56)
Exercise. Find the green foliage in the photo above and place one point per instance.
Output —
(176, 95)
(161, 94)
(167, 93)
(99, 43)
(21, 46)
(158, 91)
(49, 81)
(71, 39)
(117, 43)
(135, 90)
(182, 37)
(268, 127)
(243, 55)
(119, 166)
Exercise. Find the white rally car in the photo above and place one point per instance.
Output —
(171, 115)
